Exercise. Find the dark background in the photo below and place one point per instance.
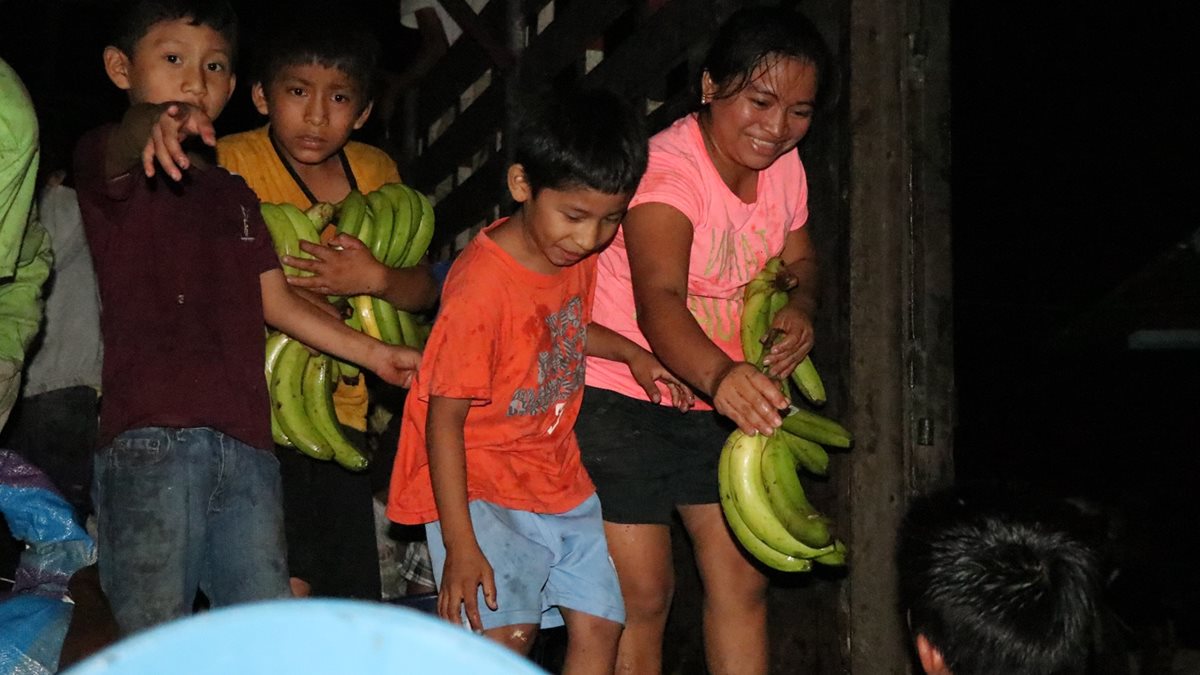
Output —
(1073, 175)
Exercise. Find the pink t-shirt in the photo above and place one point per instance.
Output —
(731, 242)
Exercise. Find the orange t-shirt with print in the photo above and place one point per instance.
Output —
(513, 341)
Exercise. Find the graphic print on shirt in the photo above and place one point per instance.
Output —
(560, 369)
(732, 256)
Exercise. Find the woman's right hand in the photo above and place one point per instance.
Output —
(749, 398)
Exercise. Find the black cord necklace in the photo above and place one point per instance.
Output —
(312, 200)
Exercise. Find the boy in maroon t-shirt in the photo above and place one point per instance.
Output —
(186, 486)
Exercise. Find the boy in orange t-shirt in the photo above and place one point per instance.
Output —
(487, 457)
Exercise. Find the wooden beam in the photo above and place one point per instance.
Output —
(899, 288)
(469, 22)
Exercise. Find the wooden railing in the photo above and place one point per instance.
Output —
(646, 50)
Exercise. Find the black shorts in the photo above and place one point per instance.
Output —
(645, 458)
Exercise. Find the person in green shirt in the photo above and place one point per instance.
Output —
(25, 256)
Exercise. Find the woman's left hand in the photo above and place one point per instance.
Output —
(795, 339)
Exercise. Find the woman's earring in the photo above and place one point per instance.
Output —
(703, 99)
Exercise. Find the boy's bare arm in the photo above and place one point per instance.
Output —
(346, 267)
(285, 310)
(154, 133)
(608, 344)
(465, 568)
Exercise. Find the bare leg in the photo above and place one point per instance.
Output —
(591, 643)
(642, 555)
(735, 595)
(518, 637)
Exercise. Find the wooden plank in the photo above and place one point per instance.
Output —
(474, 128)
(658, 44)
(563, 40)
(898, 252)
(472, 26)
(470, 202)
(463, 63)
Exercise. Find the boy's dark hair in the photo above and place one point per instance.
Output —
(345, 43)
(995, 588)
(754, 35)
(582, 138)
(135, 18)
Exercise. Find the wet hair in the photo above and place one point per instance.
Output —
(577, 138)
(135, 18)
(753, 36)
(999, 588)
(345, 44)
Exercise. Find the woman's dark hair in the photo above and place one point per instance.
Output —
(582, 138)
(753, 35)
(135, 18)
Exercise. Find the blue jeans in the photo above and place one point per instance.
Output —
(186, 509)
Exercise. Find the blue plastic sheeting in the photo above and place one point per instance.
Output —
(299, 637)
(35, 616)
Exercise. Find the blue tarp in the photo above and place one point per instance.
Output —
(34, 616)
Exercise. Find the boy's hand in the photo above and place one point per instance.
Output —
(176, 122)
(396, 364)
(344, 267)
(795, 340)
(463, 573)
(649, 373)
(749, 398)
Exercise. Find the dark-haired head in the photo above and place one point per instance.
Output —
(582, 139)
(135, 18)
(996, 587)
(751, 37)
(345, 44)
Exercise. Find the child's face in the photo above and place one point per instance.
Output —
(176, 61)
(562, 227)
(313, 109)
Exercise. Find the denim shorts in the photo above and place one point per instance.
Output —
(541, 561)
(646, 458)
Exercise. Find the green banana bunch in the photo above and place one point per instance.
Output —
(317, 387)
(765, 295)
(300, 386)
(396, 223)
(286, 388)
(782, 530)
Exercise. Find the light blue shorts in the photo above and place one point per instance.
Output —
(541, 562)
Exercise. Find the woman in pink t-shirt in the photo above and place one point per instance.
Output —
(724, 191)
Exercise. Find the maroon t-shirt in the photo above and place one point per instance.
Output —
(178, 268)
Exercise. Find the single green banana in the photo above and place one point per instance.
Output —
(365, 311)
(366, 232)
(778, 300)
(276, 341)
(320, 214)
(809, 455)
(753, 545)
(287, 387)
(835, 558)
(388, 321)
(750, 497)
(305, 230)
(808, 381)
(816, 428)
(283, 235)
(318, 404)
(385, 222)
(755, 323)
(423, 234)
(350, 213)
(787, 497)
(403, 202)
(410, 330)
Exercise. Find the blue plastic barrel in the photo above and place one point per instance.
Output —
(297, 637)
